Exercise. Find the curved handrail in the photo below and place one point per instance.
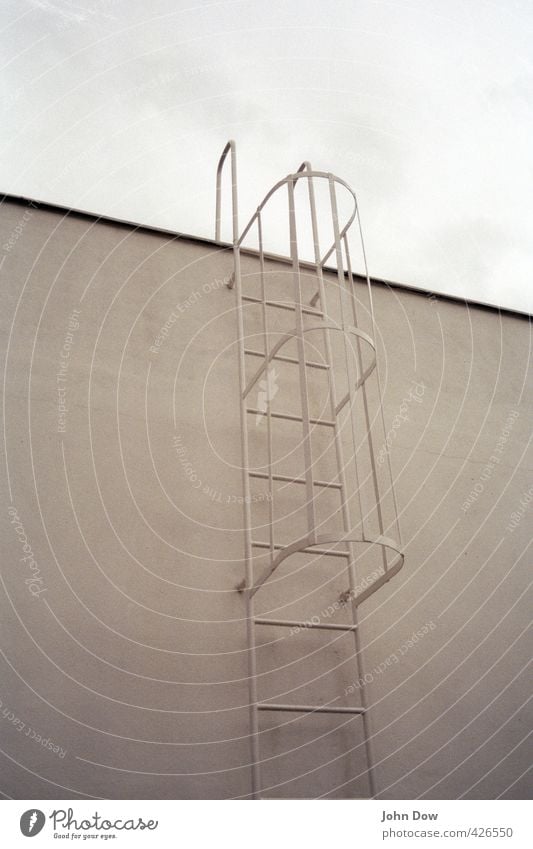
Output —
(291, 334)
(230, 146)
(304, 171)
(292, 178)
(312, 540)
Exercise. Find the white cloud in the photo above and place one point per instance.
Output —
(122, 108)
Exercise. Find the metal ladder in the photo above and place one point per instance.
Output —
(360, 364)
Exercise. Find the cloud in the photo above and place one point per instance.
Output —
(122, 109)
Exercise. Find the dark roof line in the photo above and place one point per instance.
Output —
(107, 219)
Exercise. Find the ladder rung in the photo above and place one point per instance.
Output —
(290, 417)
(285, 623)
(330, 552)
(288, 479)
(284, 305)
(286, 359)
(309, 708)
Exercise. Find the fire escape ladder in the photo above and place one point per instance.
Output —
(329, 315)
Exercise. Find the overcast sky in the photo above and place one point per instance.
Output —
(121, 107)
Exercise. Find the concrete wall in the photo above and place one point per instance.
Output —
(123, 637)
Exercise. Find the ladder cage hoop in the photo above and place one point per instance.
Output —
(306, 544)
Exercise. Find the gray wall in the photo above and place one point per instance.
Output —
(123, 637)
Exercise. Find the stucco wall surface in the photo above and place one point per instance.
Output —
(124, 667)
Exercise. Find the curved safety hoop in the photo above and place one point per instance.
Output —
(292, 334)
(292, 179)
(306, 544)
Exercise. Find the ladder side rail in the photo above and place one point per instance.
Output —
(322, 298)
(304, 388)
(339, 454)
(378, 379)
(352, 576)
(348, 359)
(256, 772)
(368, 423)
(264, 314)
(248, 554)
(367, 725)
(349, 366)
(353, 381)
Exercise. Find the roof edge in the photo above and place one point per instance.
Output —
(391, 284)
